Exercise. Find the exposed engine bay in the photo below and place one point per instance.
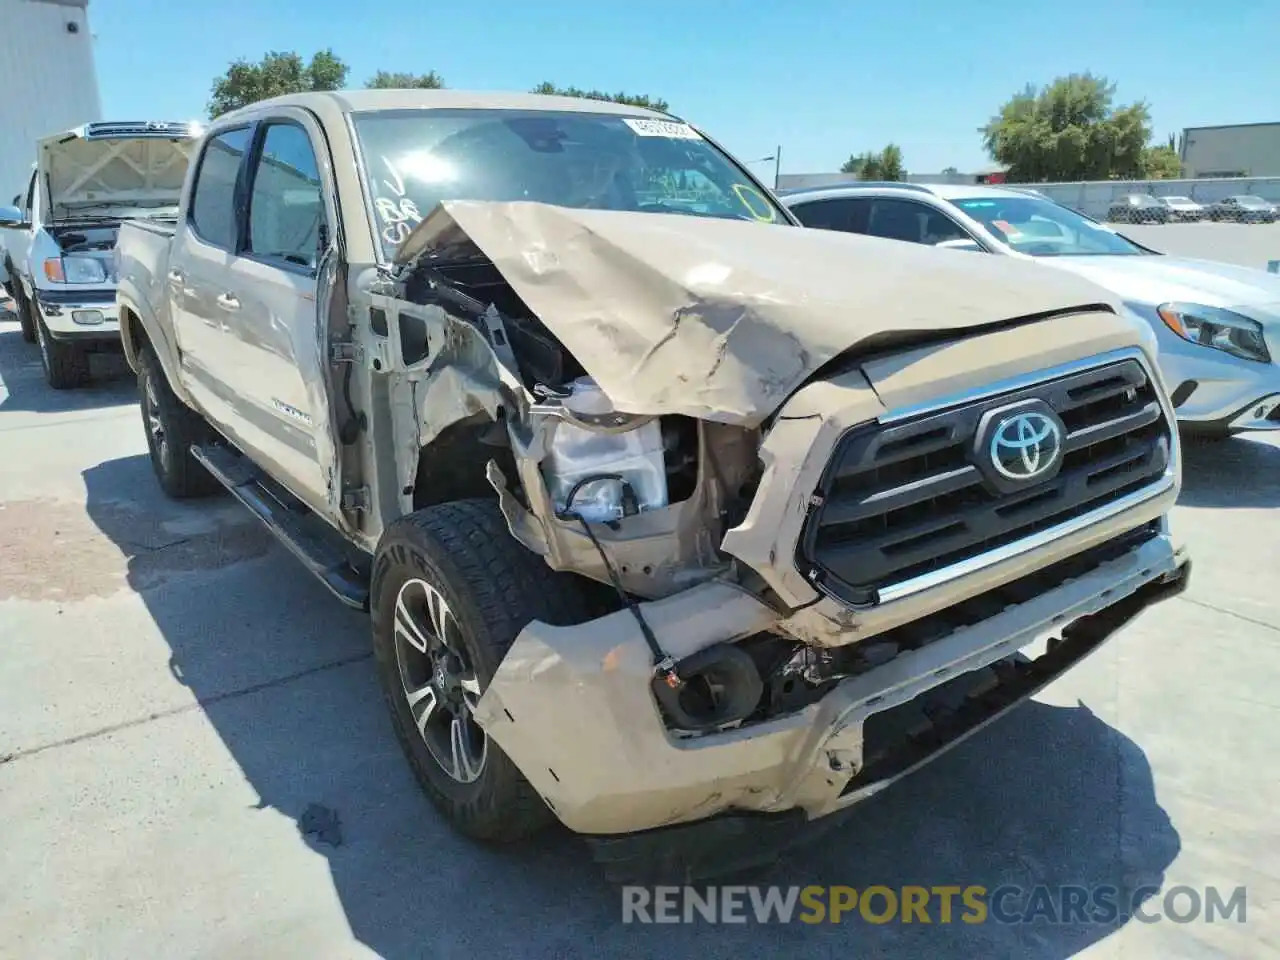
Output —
(86, 237)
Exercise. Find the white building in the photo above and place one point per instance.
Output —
(47, 80)
(1237, 150)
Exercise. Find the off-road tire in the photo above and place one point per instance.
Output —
(181, 476)
(494, 587)
(66, 366)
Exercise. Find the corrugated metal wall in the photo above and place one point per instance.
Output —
(47, 80)
(1245, 150)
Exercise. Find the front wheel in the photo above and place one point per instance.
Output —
(450, 591)
(66, 366)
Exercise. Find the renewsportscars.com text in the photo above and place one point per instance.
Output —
(969, 904)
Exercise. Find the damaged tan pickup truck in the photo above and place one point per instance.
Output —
(675, 520)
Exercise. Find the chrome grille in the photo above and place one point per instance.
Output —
(904, 499)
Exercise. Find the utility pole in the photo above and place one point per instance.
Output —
(777, 166)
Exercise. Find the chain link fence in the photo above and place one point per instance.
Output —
(1226, 200)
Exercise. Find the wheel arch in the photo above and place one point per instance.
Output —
(139, 330)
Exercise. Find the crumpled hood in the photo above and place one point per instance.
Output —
(1159, 279)
(721, 319)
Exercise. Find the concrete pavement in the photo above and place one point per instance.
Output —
(176, 693)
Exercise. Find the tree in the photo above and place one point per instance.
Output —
(1069, 130)
(631, 99)
(384, 80)
(950, 171)
(885, 165)
(275, 74)
(1161, 163)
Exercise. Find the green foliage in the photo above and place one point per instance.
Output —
(1161, 163)
(384, 80)
(274, 75)
(631, 99)
(885, 165)
(1069, 130)
(950, 171)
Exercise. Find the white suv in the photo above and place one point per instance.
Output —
(61, 233)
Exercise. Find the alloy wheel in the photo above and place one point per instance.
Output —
(155, 426)
(438, 680)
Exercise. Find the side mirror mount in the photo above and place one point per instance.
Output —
(11, 218)
(971, 245)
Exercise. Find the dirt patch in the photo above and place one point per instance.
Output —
(59, 550)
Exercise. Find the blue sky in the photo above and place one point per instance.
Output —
(822, 78)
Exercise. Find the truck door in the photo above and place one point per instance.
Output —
(199, 262)
(272, 329)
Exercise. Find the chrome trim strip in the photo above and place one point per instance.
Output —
(1023, 381)
(1036, 541)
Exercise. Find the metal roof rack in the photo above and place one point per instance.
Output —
(150, 128)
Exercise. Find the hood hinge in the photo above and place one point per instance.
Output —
(356, 498)
(345, 352)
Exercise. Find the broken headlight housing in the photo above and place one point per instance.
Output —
(1215, 327)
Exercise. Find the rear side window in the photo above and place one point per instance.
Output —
(845, 215)
(213, 213)
(286, 206)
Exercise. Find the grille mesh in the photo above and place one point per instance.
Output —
(905, 499)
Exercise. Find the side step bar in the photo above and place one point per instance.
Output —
(324, 560)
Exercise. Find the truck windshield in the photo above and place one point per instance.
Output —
(1042, 228)
(415, 159)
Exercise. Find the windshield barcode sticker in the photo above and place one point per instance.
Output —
(662, 128)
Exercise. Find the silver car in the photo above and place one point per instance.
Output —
(1217, 325)
(1183, 209)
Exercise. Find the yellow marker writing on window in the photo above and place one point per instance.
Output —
(755, 202)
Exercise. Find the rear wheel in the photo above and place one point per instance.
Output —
(26, 316)
(172, 428)
(450, 592)
(66, 366)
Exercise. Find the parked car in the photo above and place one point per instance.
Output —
(476, 358)
(59, 234)
(1243, 209)
(1183, 209)
(1138, 208)
(1217, 325)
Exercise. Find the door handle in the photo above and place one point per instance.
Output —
(228, 302)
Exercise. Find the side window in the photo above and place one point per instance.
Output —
(286, 205)
(939, 228)
(898, 220)
(845, 215)
(213, 214)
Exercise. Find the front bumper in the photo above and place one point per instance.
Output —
(1214, 389)
(572, 706)
(740, 839)
(80, 315)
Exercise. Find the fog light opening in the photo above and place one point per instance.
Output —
(87, 318)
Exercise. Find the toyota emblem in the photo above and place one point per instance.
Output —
(1025, 446)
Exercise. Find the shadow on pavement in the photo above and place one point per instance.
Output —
(1048, 795)
(1239, 472)
(24, 387)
